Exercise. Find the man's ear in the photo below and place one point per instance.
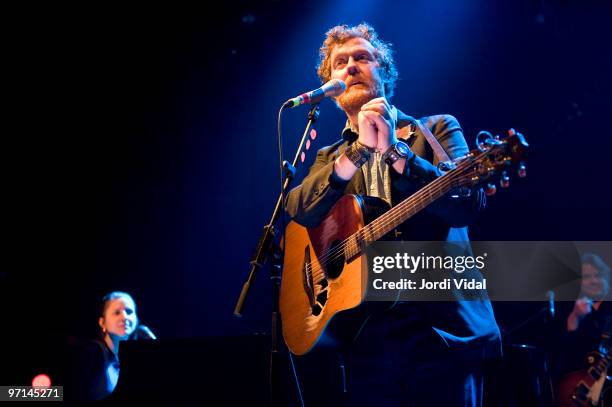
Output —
(101, 322)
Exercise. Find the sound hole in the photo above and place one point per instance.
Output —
(322, 297)
(335, 264)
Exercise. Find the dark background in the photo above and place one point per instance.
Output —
(143, 151)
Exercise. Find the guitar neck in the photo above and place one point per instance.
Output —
(360, 240)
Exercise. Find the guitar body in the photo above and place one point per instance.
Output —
(579, 389)
(584, 387)
(314, 291)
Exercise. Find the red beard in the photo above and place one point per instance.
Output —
(358, 95)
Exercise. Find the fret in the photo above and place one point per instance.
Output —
(368, 234)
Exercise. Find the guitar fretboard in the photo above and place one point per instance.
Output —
(360, 240)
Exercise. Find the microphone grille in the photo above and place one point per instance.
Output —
(334, 87)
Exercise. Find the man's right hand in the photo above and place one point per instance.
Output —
(582, 307)
(368, 133)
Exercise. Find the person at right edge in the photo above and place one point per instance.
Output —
(582, 329)
(417, 353)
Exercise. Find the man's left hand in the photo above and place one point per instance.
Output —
(384, 117)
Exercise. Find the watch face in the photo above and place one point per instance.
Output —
(402, 148)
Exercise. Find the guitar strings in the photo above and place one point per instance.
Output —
(352, 241)
(380, 223)
(374, 227)
(408, 205)
(404, 207)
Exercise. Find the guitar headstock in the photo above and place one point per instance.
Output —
(494, 159)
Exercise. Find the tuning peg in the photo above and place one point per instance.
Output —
(522, 170)
(504, 182)
(491, 189)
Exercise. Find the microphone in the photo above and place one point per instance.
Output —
(334, 87)
(144, 332)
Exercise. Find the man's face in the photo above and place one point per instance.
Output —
(593, 286)
(355, 63)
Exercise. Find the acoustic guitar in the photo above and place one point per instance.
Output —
(325, 276)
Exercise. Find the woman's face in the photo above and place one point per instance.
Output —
(119, 318)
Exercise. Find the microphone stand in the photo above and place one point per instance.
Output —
(542, 379)
(265, 247)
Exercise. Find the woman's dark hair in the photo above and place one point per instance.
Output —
(112, 296)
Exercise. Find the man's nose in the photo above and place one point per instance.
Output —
(351, 66)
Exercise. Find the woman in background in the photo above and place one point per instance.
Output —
(96, 366)
(118, 322)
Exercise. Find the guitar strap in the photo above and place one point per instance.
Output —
(433, 142)
(454, 234)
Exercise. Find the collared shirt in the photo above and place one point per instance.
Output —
(376, 172)
(377, 177)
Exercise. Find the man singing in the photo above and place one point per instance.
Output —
(420, 352)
